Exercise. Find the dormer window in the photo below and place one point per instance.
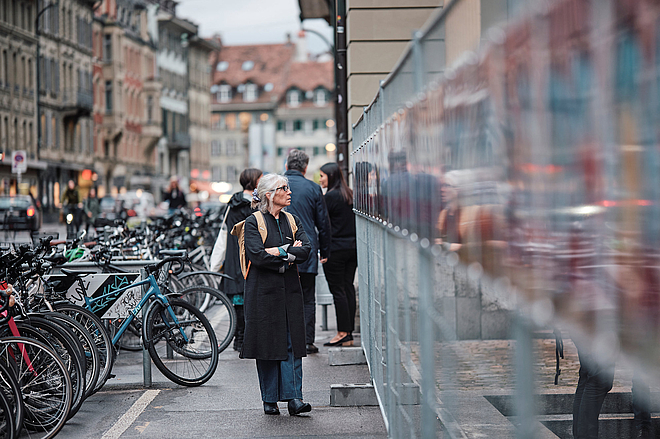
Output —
(293, 98)
(320, 97)
(224, 95)
(222, 66)
(247, 66)
(250, 93)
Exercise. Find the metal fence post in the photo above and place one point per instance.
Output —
(146, 358)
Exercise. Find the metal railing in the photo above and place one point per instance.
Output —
(504, 195)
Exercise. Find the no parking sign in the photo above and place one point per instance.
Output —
(19, 162)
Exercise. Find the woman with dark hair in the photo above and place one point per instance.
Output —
(340, 267)
(239, 209)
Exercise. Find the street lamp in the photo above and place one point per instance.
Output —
(38, 69)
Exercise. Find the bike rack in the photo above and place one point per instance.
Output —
(137, 265)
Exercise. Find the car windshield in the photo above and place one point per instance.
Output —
(20, 202)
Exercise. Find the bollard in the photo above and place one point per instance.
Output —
(146, 359)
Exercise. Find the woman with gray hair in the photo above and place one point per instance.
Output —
(274, 317)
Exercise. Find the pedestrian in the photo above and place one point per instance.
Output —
(92, 208)
(274, 316)
(340, 267)
(308, 204)
(239, 209)
(72, 205)
(175, 196)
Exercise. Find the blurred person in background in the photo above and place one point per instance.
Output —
(72, 205)
(307, 203)
(239, 209)
(92, 208)
(175, 197)
(340, 266)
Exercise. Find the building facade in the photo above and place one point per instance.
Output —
(126, 98)
(18, 129)
(199, 98)
(266, 100)
(305, 115)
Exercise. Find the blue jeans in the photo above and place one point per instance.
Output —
(281, 380)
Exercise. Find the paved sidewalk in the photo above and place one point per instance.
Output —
(229, 405)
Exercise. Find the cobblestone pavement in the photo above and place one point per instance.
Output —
(487, 365)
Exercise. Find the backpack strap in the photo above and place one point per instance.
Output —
(261, 225)
(292, 224)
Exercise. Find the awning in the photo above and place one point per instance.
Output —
(315, 9)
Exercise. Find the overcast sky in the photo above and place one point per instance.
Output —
(252, 21)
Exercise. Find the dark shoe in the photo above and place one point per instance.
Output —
(346, 341)
(644, 432)
(311, 349)
(270, 408)
(296, 407)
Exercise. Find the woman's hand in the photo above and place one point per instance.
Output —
(297, 244)
(275, 251)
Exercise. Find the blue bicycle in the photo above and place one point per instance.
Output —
(180, 339)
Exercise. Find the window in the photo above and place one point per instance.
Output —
(108, 96)
(320, 97)
(293, 98)
(231, 147)
(215, 121)
(309, 127)
(107, 48)
(288, 127)
(222, 66)
(280, 125)
(297, 125)
(150, 105)
(230, 121)
(225, 93)
(315, 126)
(231, 173)
(250, 94)
(247, 66)
(216, 148)
(215, 171)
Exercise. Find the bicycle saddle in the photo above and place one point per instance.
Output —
(80, 273)
(173, 253)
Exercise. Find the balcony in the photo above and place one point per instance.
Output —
(179, 141)
(77, 101)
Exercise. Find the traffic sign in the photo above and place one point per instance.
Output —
(19, 162)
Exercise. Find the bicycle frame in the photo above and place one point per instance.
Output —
(152, 291)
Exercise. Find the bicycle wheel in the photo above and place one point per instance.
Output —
(44, 382)
(221, 313)
(9, 386)
(99, 333)
(91, 352)
(67, 346)
(184, 349)
(7, 421)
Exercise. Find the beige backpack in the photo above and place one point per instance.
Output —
(239, 231)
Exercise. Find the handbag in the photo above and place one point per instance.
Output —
(220, 247)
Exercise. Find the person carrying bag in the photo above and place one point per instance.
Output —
(225, 251)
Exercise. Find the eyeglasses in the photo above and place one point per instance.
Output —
(285, 188)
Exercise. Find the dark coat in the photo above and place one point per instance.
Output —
(177, 199)
(239, 209)
(307, 203)
(272, 298)
(342, 220)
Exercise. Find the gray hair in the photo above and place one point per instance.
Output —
(268, 184)
(297, 160)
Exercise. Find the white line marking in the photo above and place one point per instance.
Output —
(131, 415)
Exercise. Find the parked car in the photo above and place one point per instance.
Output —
(112, 208)
(140, 204)
(18, 212)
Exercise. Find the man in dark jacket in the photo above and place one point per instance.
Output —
(307, 203)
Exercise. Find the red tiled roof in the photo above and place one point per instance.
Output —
(308, 76)
(271, 65)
